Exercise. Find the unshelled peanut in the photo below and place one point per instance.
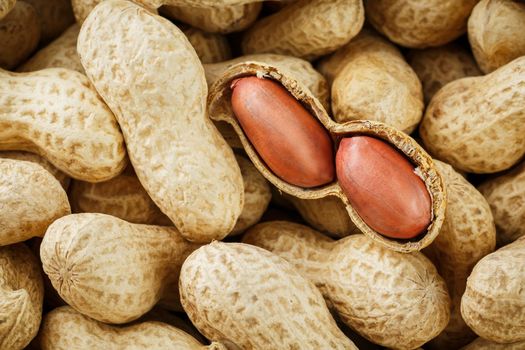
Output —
(54, 17)
(210, 48)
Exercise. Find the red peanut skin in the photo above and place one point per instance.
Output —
(381, 185)
(292, 143)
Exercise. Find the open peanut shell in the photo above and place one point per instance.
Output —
(220, 109)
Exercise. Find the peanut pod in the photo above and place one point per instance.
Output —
(307, 28)
(66, 329)
(484, 344)
(158, 95)
(392, 299)
(506, 195)
(243, 295)
(54, 16)
(57, 114)
(476, 124)
(31, 200)
(210, 48)
(21, 296)
(493, 302)
(109, 269)
(220, 108)
(5, 7)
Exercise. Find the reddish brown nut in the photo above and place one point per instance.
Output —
(382, 186)
(292, 143)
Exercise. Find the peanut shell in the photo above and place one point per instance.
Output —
(484, 344)
(210, 48)
(55, 16)
(5, 7)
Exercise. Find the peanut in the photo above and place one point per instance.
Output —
(495, 32)
(414, 24)
(493, 302)
(506, 196)
(371, 80)
(438, 66)
(66, 329)
(54, 16)
(34, 158)
(61, 53)
(210, 48)
(307, 28)
(19, 35)
(373, 290)
(57, 114)
(476, 124)
(484, 344)
(5, 7)
(398, 205)
(241, 294)
(21, 295)
(31, 200)
(159, 98)
(88, 258)
(467, 235)
(263, 107)
(212, 19)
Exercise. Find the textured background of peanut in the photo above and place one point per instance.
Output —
(134, 216)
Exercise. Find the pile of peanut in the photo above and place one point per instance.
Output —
(249, 174)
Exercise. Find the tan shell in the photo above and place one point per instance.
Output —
(484, 344)
(66, 329)
(19, 35)
(467, 235)
(210, 48)
(477, 124)
(307, 28)
(241, 294)
(223, 19)
(493, 302)
(57, 114)
(21, 296)
(54, 16)
(495, 32)
(122, 196)
(257, 196)
(158, 95)
(417, 24)
(88, 258)
(326, 214)
(61, 53)
(438, 66)
(220, 109)
(5, 7)
(372, 80)
(506, 196)
(31, 199)
(35, 158)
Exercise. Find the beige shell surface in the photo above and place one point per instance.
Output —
(221, 19)
(5, 7)
(109, 269)
(257, 196)
(493, 302)
(66, 329)
(477, 124)
(158, 95)
(54, 16)
(210, 48)
(219, 106)
(21, 296)
(122, 196)
(467, 235)
(57, 114)
(307, 28)
(506, 196)
(375, 82)
(495, 32)
(327, 214)
(438, 66)
(82, 8)
(19, 35)
(241, 294)
(35, 158)
(393, 299)
(417, 24)
(61, 53)
(31, 199)
(484, 344)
